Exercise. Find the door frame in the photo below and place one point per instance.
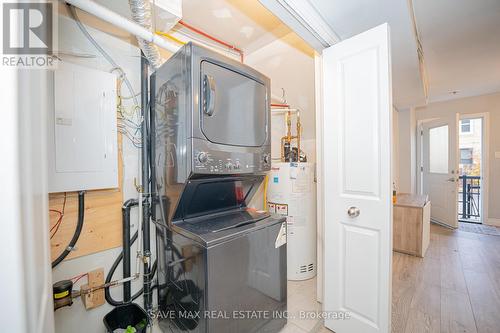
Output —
(419, 153)
(485, 159)
(318, 81)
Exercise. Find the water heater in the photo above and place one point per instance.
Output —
(292, 193)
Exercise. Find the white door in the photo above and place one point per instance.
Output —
(357, 129)
(440, 168)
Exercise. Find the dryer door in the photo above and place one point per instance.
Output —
(234, 107)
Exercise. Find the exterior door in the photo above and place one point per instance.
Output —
(357, 176)
(440, 168)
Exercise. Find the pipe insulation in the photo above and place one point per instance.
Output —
(113, 18)
(141, 13)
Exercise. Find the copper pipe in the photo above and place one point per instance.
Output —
(279, 105)
(289, 137)
(217, 40)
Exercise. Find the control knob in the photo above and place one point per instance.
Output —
(202, 157)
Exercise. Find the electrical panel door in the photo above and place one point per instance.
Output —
(82, 146)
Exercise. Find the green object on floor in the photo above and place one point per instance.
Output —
(130, 329)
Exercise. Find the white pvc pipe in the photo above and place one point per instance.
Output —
(110, 16)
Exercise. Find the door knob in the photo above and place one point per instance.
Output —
(353, 212)
(452, 179)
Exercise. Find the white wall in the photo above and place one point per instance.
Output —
(291, 69)
(24, 241)
(479, 104)
(406, 151)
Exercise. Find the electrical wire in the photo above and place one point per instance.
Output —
(134, 138)
(169, 36)
(91, 39)
(78, 277)
(217, 40)
(60, 219)
(78, 230)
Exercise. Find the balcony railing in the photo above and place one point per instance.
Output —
(469, 199)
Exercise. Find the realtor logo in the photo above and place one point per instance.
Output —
(28, 34)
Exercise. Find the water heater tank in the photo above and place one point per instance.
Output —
(292, 193)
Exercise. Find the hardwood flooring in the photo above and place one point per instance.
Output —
(455, 288)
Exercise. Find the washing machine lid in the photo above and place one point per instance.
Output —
(208, 196)
(226, 227)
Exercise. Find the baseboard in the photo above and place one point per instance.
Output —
(442, 224)
(493, 221)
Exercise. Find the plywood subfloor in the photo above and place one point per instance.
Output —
(455, 288)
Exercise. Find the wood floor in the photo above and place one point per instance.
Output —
(455, 288)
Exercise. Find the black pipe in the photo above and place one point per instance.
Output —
(127, 290)
(111, 272)
(78, 230)
(152, 166)
(126, 249)
(146, 248)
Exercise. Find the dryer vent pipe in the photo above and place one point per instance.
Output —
(141, 13)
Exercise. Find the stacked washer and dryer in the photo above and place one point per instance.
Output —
(218, 259)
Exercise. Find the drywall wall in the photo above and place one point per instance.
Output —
(478, 104)
(406, 155)
(24, 241)
(290, 68)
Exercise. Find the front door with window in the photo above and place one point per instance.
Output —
(440, 168)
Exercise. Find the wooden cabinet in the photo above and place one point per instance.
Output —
(411, 224)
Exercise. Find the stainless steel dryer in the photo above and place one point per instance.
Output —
(219, 266)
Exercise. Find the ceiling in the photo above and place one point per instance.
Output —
(245, 24)
(460, 40)
(348, 18)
